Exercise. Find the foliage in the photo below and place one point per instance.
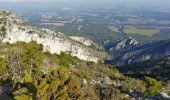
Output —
(32, 74)
(152, 86)
(157, 69)
(132, 85)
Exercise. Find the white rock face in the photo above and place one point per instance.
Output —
(52, 42)
(126, 42)
(164, 96)
(82, 40)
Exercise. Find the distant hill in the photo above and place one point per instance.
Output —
(140, 53)
(158, 69)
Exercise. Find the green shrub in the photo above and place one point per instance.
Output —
(153, 86)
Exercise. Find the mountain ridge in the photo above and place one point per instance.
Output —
(13, 29)
(144, 52)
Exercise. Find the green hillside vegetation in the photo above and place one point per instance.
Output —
(153, 72)
(146, 32)
(27, 73)
(158, 69)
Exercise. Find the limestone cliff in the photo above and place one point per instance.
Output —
(13, 29)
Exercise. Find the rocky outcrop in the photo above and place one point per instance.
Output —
(149, 51)
(126, 43)
(163, 96)
(13, 29)
(86, 41)
(122, 44)
(82, 40)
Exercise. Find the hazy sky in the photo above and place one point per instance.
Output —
(127, 2)
(160, 1)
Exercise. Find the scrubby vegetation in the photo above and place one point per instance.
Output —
(158, 69)
(153, 86)
(155, 74)
(27, 73)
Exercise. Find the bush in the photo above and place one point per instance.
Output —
(152, 86)
(132, 85)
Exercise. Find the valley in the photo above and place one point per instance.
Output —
(103, 24)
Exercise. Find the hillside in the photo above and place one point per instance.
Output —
(139, 53)
(39, 64)
(13, 29)
(33, 66)
(28, 73)
(158, 69)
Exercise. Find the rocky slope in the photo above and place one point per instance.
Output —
(154, 51)
(13, 29)
(82, 40)
(122, 44)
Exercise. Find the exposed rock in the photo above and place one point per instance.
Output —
(107, 81)
(82, 40)
(13, 29)
(122, 44)
(149, 51)
(126, 43)
(84, 82)
(163, 96)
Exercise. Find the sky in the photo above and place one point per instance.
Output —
(127, 2)
(160, 1)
